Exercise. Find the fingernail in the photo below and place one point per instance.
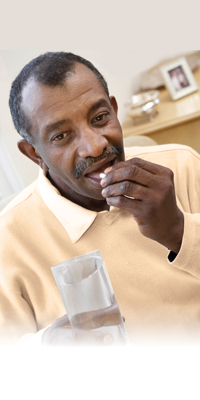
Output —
(103, 192)
(103, 182)
(108, 170)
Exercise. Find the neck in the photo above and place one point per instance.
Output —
(85, 202)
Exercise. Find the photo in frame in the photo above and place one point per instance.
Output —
(178, 78)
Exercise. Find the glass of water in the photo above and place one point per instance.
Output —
(88, 296)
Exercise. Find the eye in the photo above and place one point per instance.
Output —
(59, 137)
(100, 117)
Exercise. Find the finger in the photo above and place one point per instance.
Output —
(61, 336)
(148, 166)
(62, 322)
(126, 188)
(133, 206)
(129, 172)
(95, 319)
(141, 171)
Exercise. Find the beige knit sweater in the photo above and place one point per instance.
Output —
(159, 300)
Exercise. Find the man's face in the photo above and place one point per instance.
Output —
(72, 126)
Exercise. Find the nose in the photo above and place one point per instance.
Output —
(91, 144)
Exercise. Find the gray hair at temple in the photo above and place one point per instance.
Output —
(50, 69)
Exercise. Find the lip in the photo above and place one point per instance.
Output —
(99, 165)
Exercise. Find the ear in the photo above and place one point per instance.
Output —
(29, 151)
(114, 104)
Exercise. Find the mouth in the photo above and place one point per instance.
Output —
(93, 172)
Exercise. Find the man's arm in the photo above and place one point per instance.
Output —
(146, 190)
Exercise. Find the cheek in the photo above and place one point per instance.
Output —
(115, 133)
(58, 158)
(114, 129)
(62, 164)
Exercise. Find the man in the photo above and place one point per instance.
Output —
(143, 217)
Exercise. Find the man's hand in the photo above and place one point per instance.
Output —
(152, 203)
(60, 333)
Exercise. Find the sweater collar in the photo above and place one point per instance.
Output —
(74, 218)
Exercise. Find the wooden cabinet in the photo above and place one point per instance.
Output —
(177, 121)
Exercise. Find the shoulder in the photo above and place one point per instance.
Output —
(20, 201)
(168, 155)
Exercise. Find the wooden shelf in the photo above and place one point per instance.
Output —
(177, 121)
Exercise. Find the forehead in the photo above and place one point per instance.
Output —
(80, 87)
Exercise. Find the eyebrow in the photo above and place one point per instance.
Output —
(50, 127)
(101, 102)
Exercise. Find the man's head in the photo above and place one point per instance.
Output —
(61, 106)
(50, 69)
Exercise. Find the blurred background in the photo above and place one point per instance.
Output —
(124, 41)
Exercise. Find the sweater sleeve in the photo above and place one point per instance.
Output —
(29, 299)
(185, 163)
(18, 323)
(188, 258)
(16, 317)
(188, 192)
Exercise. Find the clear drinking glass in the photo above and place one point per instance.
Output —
(88, 296)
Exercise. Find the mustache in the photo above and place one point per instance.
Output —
(85, 163)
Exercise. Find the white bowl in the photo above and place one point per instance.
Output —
(142, 104)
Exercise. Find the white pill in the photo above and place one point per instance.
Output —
(102, 175)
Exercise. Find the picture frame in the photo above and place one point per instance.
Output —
(179, 79)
